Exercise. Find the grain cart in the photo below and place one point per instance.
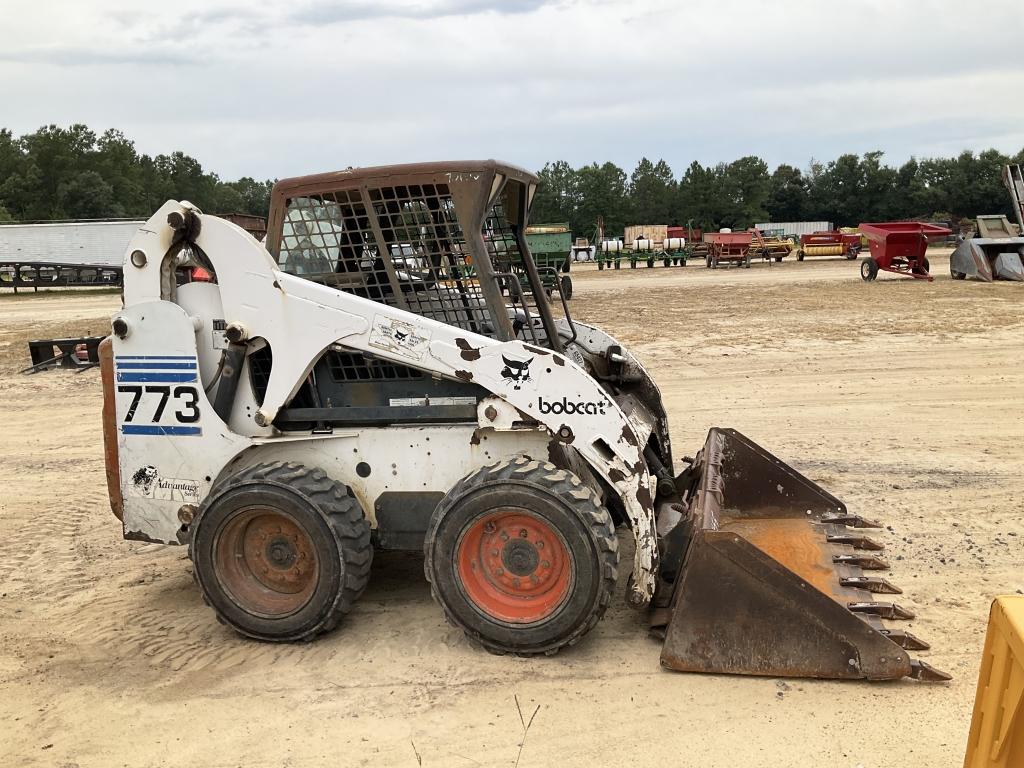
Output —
(997, 253)
(285, 427)
(899, 247)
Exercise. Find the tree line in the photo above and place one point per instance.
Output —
(69, 173)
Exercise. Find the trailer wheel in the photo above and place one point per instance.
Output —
(800, 255)
(869, 269)
(281, 551)
(522, 557)
(778, 259)
(666, 262)
(600, 264)
(957, 275)
(618, 264)
(746, 261)
(851, 254)
(565, 287)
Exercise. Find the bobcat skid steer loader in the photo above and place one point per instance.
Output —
(386, 373)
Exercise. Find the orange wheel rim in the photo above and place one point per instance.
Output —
(514, 566)
(266, 562)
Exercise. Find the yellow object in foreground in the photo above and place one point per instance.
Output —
(997, 728)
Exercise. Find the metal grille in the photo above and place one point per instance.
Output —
(503, 247)
(348, 366)
(431, 259)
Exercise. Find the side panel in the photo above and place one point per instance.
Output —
(398, 459)
(170, 443)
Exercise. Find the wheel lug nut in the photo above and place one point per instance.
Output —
(494, 553)
(523, 533)
(499, 572)
(504, 536)
(515, 583)
(489, 528)
(533, 578)
(545, 563)
(540, 545)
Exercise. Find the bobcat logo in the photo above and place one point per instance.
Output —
(400, 337)
(144, 478)
(516, 372)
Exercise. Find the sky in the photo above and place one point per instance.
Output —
(281, 89)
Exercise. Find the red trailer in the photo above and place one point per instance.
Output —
(899, 246)
(728, 246)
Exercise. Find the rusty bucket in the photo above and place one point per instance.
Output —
(777, 577)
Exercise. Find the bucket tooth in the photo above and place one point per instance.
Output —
(874, 584)
(922, 670)
(867, 562)
(850, 521)
(905, 640)
(885, 610)
(855, 540)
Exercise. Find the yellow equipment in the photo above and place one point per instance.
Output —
(997, 728)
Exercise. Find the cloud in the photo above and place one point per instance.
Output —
(342, 11)
(278, 89)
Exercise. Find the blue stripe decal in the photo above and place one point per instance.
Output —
(167, 378)
(155, 429)
(154, 357)
(156, 366)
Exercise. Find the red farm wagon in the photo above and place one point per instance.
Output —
(899, 246)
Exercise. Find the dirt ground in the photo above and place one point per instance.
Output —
(906, 399)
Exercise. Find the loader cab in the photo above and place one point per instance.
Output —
(441, 240)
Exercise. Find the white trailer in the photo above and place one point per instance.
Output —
(68, 242)
(794, 228)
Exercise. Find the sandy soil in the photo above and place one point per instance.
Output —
(903, 398)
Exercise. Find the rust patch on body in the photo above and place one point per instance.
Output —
(643, 495)
(475, 439)
(464, 375)
(559, 360)
(615, 475)
(796, 545)
(628, 436)
(537, 350)
(110, 457)
(469, 352)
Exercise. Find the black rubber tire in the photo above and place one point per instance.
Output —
(800, 255)
(600, 264)
(851, 254)
(868, 270)
(746, 261)
(565, 287)
(618, 264)
(332, 519)
(957, 275)
(927, 265)
(778, 259)
(565, 503)
(666, 262)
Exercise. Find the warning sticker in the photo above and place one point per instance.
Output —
(399, 337)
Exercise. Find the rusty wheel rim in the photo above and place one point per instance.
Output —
(514, 566)
(266, 562)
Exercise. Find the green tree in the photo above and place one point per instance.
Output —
(652, 193)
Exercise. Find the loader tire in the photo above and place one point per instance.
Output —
(522, 556)
(281, 551)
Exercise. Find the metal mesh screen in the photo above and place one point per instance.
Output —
(503, 247)
(352, 366)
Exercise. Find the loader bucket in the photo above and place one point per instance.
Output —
(778, 578)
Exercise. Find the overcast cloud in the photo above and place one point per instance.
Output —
(280, 89)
